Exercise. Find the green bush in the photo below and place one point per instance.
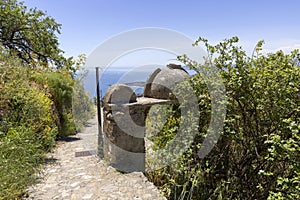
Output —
(60, 86)
(258, 153)
(35, 109)
(27, 127)
(21, 154)
(71, 102)
(160, 134)
(28, 104)
(82, 107)
(35, 99)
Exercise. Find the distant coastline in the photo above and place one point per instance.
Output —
(136, 84)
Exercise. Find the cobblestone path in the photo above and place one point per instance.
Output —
(85, 177)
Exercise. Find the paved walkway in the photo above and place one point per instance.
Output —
(85, 177)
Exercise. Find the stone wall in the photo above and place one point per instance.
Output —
(124, 117)
(124, 132)
(124, 145)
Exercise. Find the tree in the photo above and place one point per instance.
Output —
(30, 34)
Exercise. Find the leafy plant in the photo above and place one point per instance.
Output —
(258, 154)
(21, 154)
(60, 87)
(27, 127)
(36, 94)
(36, 108)
(29, 33)
(82, 106)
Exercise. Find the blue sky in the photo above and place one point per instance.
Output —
(86, 24)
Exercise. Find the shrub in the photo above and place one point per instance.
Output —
(258, 153)
(82, 107)
(60, 87)
(21, 154)
(35, 108)
(26, 104)
(27, 127)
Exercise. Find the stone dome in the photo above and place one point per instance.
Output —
(119, 94)
(160, 83)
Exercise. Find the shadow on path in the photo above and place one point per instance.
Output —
(69, 139)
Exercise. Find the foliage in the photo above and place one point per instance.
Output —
(82, 106)
(60, 87)
(21, 153)
(36, 94)
(30, 34)
(258, 154)
(35, 108)
(164, 130)
(26, 103)
(27, 127)
(71, 103)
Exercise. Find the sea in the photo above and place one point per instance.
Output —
(133, 77)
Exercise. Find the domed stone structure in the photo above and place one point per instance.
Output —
(124, 117)
(161, 82)
(119, 94)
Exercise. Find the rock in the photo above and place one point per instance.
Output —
(87, 196)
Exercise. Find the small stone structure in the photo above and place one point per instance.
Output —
(161, 82)
(124, 117)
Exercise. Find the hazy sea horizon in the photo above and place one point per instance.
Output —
(114, 76)
(133, 77)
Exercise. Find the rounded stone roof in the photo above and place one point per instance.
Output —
(119, 94)
(160, 83)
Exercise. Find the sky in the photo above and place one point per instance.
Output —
(86, 24)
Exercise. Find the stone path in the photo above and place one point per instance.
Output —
(85, 177)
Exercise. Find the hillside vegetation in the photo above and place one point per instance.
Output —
(257, 155)
(40, 98)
